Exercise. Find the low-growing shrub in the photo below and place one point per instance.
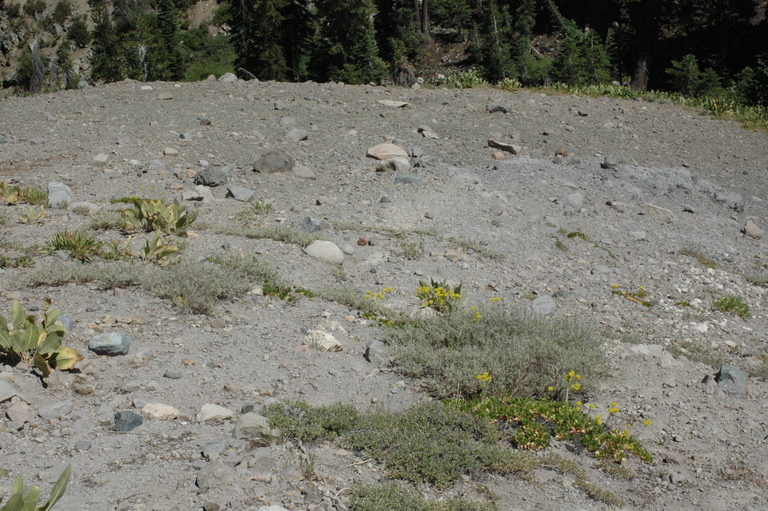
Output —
(391, 496)
(81, 245)
(733, 304)
(524, 353)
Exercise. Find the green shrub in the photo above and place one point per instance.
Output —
(109, 275)
(32, 7)
(302, 421)
(62, 11)
(82, 246)
(686, 78)
(733, 304)
(465, 80)
(155, 215)
(393, 496)
(581, 58)
(524, 353)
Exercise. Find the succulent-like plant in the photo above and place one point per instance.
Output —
(36, 344)
(27, 498)
(155, 215)
(158, 251)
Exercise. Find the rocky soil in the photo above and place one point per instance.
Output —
(639, 181)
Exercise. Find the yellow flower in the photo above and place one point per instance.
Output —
(576, 386)
(613, 409)
(484, 377)
(647, 422)
(616, 286)
(591, 405)
(578, 403)
(550, 388)
(599, 420)
(386, 290)
(496, 299)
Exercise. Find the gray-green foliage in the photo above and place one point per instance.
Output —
(300, 420)
(524, 353)
(280, 233)
(390, 496)
(27, 498)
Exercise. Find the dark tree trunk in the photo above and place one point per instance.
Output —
(417, 13)
(425, 17)
(640, 74)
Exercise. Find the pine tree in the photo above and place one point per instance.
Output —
(256, 30)
(168, 23)
(495, 47)
(105, 58)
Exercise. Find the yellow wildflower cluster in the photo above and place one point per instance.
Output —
(439, 296)
(484, 377)
(378, 295)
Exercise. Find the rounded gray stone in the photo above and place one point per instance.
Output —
(544, 305)
(111, 344)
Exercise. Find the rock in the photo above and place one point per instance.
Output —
(609, 162)
(228, 78)
(398, 164)
(573, 202)
(165, 96)
(322, 341)
(274, 161)
(211, 177)
(9, 390)
(127, 421)
(378, 354)
(160, 411)
(213, 412)
(83, 445)
(498, 156)
(325, 251)
(304, 172)
(407, 179)
(56, 411)
(213, 450)
(59, 195)
(503, 146)
(310, 224)
(386, 151)
(561, 152)
(674, 458)
(204, 192)
(496, 210)
(297, 135)
(752, 230)
(252, 426)
(205, 122)
(280, 105)
(111, 344)
(348, 249)
(427, 132)
(544, 304)
(171, 151)
(215, 475)
(394, 104)
(663, 215)
(172, 375)
(99, 160)
(211, 506)
(497, 107)
(186, 136)
(732, 380)
(18, 412)
(240, 193)
(271, 508)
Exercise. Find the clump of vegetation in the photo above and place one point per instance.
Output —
(19, 262)
(35, 215)
(36, 344)
(389, 496)
(300, 420)
(412, 250)
(107, 220)
(699, 256)
(157, 251)
(30, 195)
(27, 498)
(155, 215)
(638, 296)
(465, 80)
(523, 352)
(733, 304)
(81, 245)
(440, 296)
(280, 233)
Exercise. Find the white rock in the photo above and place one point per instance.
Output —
(146, 87)
(386, 151)
(322, 341)
(170, 151)
(160, 411)
(663, 215)
(394, 104)
(212, 412)
(325, 251)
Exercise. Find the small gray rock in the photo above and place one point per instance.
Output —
(497, 107)
(545, 305)
(732, 380)
(663, 215)
(215, 475)
(56, 411)
(253, 426)
(274, 161)
(240, 193)
(83, 445)
(111, 344)
(397, 164)
(378, 354)
(280, 105)
(9, 390)
(310, 224)
(228, 78)
(297, 135)
(407, 179)
(752, 230)
(172, 375)
(212, 450)
(211, 177)
(127, 421)
(59, 195)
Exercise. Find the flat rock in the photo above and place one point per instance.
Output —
(160, 411)
(378, 354)
(127, 421)
(386, 151)
(752, 230)
(213, 412)
(165, 96)
(228, 78)
(544, 304)
(658, 213)
(303, 172)
(9, 390)
(392, 103)
(59, 195)
(171, 151)
(211, 177)
(503, 146)
(325, 251)
(732, 380)
(311, 224)
(322, 341)
(215, 475)
(56, 411)
(251, 426)
(111, 344)
(274, 161)
(397, 164)
(240, 193)
(18, 412)
(497, 107)
(297, 135)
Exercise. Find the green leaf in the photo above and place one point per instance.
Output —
(58, 490)
(42, 364)
(25, 339)
(50, 343)
(19, 315)
(50, 318)
(66, 358)
(18, 485)
(5, 335)
(15, 503)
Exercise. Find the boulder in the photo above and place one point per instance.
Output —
(274, 161)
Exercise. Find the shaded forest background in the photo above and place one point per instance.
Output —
(701, 48)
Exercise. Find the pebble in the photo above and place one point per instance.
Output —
(56, 411)
(110, 344)
(172, 375)
(544, 304)
(160, 411)
(127, 421)
(251, 426)
(213, 412)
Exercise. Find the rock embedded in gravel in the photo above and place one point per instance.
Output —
(304, 172)
(110, 344)
(658, 213)
(497, 107)
(397, 164)
(56, 411)
(273, 162)
(215, 475)
(325, 251)
(387, 151)
(228, 78)
(160, 411)
(213, 412)
(165, 96)
(503, 146)
(732, 380)
(8, 390)
(83, 445)
(752, 230)
(59, 195)
(297, 135)
(211, 176)
(18, 412)
(252, 426)
(310, 224)
(240, 193)
(407, 179)
(378, 354)
(322, 341)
